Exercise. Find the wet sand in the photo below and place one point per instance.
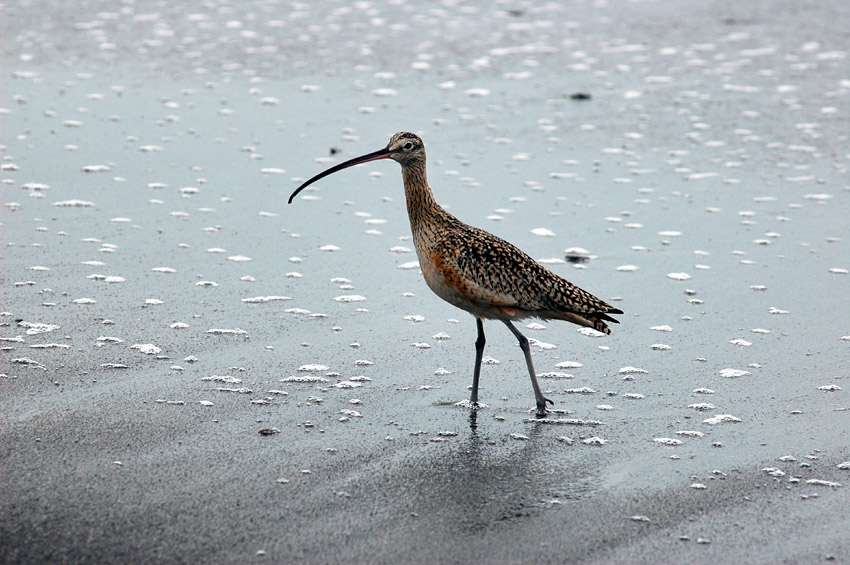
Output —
(162, 304)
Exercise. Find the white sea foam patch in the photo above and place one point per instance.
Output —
(722, 419)
(595, 440)
(222, 331)
(566, 421)
(543, 232)
(304, 379)
(555, 375)
(146, 348)
(350, 298)
(667, 441)
(297, 311)
(34, 328)
(108, 339)
(74, 203)
(106, 278)
(702, 406)
(227, 379)
(580, 390)
(35, 186)
(27, 361)
(543, 346)
(821, 482)
(16, 339)
(347, 384)
(263, 299)
(96, 168)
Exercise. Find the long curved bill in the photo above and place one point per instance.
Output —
(374, 156)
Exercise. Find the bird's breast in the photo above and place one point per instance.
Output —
(446, 280)
(442, 278)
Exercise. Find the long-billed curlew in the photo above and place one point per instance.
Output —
(477, 271)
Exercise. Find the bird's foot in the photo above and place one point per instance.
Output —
(541, 408)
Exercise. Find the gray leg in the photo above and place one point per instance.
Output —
(538, 395)
(479, 352)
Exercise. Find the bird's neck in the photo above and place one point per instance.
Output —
(424, 212)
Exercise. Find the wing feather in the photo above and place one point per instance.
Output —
(509, 278)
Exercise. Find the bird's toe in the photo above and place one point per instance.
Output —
(541, 408)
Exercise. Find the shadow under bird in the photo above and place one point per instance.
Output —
(477, 271)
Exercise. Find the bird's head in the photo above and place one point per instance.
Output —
(404, 148)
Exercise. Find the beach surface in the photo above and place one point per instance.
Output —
(194, 371)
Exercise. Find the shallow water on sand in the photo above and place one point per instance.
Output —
(232, 377)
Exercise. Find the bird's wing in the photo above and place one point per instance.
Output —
(510, 278)
(494, 270)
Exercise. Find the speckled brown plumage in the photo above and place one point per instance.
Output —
(484, 274)
(477, 271)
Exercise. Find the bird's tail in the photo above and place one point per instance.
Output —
(598, 319)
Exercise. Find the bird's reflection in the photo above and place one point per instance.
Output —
(473, 423)
(488, 478)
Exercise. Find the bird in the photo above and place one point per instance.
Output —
(477, 271)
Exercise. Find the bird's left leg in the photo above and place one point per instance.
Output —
(479, 352)
(538, 394)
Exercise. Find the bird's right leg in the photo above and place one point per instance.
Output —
(526, 350)
(479, 353)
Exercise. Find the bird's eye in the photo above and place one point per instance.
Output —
(407, 146)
